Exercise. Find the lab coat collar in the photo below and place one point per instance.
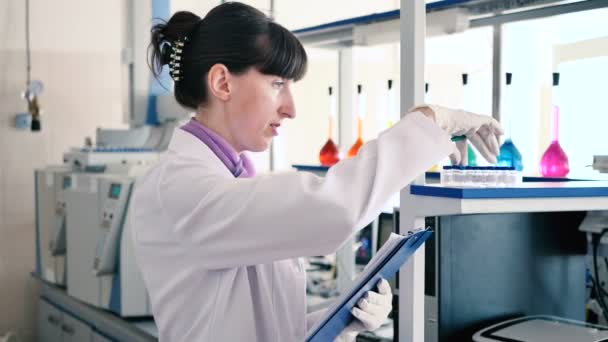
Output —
(238, 164)
(188, 146)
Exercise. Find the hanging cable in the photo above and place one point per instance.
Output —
(27, 41)
(32, 90)
(596, 241)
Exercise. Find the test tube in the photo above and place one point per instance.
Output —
(509, 176)
(466, 176)
(447, 175)
(458, 177)
(476, 176)
(492, 176)
(501, 176)
(472, 175)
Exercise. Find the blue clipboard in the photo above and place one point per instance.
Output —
(339, 316)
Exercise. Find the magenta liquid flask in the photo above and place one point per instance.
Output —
(554, 162)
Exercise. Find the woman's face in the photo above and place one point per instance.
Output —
(256, 109)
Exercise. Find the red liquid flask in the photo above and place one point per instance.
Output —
(329, 154)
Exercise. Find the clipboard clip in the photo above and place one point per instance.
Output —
(412, 232)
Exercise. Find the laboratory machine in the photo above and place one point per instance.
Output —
(50, 184)
(102, 268)
(595, 225)
(98, 159)
(543, 329)
(51, 208)
(138, 143)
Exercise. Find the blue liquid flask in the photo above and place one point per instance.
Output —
(509, 154)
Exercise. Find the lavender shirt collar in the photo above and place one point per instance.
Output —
(239, 165)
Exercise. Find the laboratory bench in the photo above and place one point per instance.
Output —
(63, 318)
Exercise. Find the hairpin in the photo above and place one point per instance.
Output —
(177, 48)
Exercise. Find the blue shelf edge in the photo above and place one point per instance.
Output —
(317, 168)
(516, 192)
(381, 16)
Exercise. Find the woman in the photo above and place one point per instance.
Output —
(220, 250)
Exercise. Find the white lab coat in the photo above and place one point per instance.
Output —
(221, 255)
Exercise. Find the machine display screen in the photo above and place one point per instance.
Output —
(114, 190)
(67, 182)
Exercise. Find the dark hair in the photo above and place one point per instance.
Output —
(233, 34)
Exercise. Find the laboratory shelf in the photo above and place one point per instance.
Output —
(310, 168)
(341, 33)
(436, 200)
(524, 190)
(394, 14)
(364, 19)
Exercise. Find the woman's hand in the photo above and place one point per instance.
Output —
(371, 312)
(483, 131)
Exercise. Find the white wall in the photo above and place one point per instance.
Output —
(76, 54)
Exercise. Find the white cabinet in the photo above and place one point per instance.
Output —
(49, 323)
(99, 338)
(55, 325)
(63, 319)
(75, 330)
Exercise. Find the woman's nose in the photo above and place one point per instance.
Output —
(288, 108)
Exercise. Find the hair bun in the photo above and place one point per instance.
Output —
(165, 34)
(165, 52)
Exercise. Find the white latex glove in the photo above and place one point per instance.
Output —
(371, 311)
(483, 132)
